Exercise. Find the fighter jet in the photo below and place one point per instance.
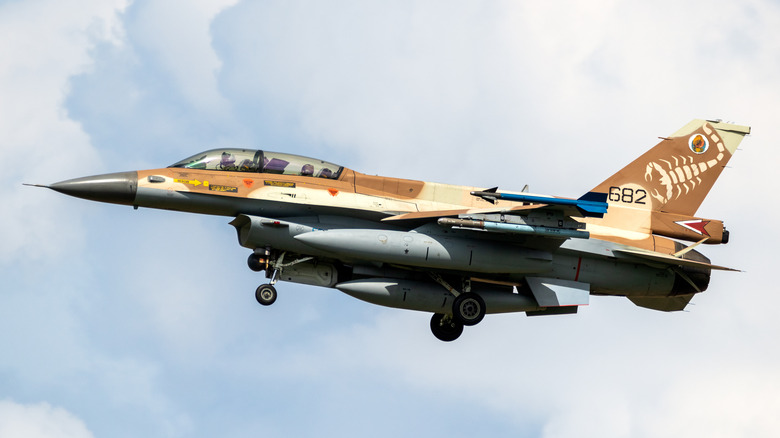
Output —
(457, 252)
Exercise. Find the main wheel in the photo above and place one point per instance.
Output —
(265, 294)
(468, 308)
(256, 263)
(444, 328)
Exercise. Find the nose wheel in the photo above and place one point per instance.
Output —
(261, 260)
(265, 294)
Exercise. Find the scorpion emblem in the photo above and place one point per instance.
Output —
(685, 174)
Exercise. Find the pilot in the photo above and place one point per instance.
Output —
(326, 173)
(307, 170)
(228, 161)
(247, 166)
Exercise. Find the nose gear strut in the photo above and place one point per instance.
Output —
(265, 294)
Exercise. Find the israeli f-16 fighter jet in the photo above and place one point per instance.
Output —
(457, 252)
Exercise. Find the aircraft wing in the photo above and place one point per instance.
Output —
(591, 204)
(551, 219)
(430, 216)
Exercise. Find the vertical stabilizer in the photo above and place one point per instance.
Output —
(676, 175)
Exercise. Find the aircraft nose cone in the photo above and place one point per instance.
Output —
(116, 188)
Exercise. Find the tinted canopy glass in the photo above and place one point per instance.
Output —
(250, 160)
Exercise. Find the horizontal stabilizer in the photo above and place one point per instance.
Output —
(655, 258)
(554, 292)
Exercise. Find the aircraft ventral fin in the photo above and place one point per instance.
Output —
(664, 304)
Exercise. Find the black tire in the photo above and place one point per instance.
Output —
(468, 308)
(254, 263)
(445, 331)
(265, 294)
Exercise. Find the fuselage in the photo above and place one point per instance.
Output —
(360, 205)
(458, 252)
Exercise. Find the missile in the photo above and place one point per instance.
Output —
(514, 228)
(591, 204)
(432, 297)
(428, 251)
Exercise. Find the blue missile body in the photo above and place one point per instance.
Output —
(591, 204)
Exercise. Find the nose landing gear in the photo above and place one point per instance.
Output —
(265, 294)
(272, 262)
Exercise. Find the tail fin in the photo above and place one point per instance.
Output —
(676, 175)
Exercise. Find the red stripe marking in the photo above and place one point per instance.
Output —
(577, 275)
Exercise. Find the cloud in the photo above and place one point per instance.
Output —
(425, 91)
(39, 420)
(724, 401)
(183, 51)
(156, 93)
(43, 44)
(403, 90)
(146, 319)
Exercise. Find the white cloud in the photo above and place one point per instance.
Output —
(157, 320)
(473, 94)
(43, 44)
(728, 400)
(184, 49)
(39, 420)
(612, 371)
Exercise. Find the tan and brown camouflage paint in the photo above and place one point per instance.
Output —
(656, 194)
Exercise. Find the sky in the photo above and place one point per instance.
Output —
(123, 323)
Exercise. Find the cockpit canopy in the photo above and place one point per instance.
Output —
(250, 160)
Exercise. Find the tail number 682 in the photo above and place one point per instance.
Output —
(627, 195)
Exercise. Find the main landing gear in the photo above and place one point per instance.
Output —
(468, 309)
(445, 328)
